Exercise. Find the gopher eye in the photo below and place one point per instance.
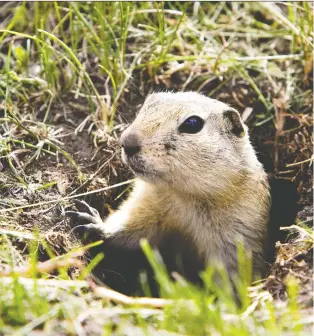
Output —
(191, 125)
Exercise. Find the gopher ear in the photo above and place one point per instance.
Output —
(234, 123)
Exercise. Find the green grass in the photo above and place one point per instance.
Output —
(55, 55)
(31, 299)
(82, 69)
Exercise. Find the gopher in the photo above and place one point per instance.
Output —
(199, 193)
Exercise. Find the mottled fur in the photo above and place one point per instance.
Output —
(208, 187)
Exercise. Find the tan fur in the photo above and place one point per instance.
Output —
(208, 185)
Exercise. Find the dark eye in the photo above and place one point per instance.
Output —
(192, 125)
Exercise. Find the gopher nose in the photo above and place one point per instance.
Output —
(130, 143)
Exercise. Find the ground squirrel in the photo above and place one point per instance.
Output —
(200, 191)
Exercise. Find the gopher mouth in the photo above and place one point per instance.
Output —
(137, 168)
(141, 170)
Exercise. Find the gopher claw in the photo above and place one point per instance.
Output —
(87, 223)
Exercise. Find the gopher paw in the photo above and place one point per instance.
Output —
(87, 223)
